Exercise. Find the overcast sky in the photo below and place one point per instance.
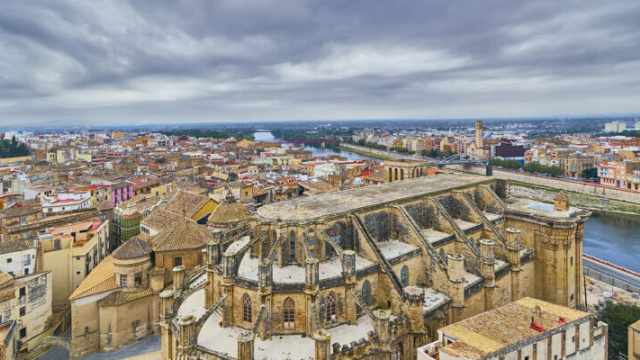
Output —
(95, 62)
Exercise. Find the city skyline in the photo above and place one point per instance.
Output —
(122, 63)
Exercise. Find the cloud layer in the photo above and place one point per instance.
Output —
(69, 62)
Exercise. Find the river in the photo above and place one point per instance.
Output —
(610, 237)
(316, 151)
(614, 238)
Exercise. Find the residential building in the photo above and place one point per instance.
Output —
(71, 252)
(525, 329)
(27, 300)
(620, 174)
(18, 257)
(615, 127)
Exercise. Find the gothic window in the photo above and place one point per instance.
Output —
(292, 246)
(246, 308)
(366, 293)
(442, 255)
(331, 307)
(311, 241)
(404, 276)
(289, 309)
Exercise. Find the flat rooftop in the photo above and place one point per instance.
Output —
(545, 210)
(496, 329)
(340, 202)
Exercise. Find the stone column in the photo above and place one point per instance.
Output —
(514, 247)
(488, 272)
(455, 270)
(178, 277)
(349, 273)
(413, 298)
(322, 344)
(265, 277)
(312, 276)
(166, 335)
(187, 336)
(245, 346)
(382, 328)
(228, 274)
(213, 253)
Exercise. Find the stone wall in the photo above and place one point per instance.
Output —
(580, 187)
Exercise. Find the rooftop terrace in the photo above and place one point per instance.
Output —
(324, 205)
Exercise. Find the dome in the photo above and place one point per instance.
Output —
(132, 248)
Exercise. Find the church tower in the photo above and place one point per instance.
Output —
(479, 135)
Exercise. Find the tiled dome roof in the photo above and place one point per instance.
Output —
(133, 248)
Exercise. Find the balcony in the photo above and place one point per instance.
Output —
(430, 351)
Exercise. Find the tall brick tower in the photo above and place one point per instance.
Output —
(479, 135)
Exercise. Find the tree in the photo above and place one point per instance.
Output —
(537, 168)
(590, 173)
(618, 317)
(507, 164)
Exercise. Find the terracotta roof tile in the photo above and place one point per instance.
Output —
(132, 248)
(102, 278)
(187, 203)
(121, 297)
(161, 220)
(183, 235)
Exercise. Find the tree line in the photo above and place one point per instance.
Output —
(11, 148)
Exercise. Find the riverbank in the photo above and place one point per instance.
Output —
(364, 153)
(589, 202)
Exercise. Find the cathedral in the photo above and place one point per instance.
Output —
(371, 272)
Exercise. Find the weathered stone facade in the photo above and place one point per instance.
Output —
(374, 272)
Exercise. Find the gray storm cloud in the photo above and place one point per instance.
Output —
(166, 61)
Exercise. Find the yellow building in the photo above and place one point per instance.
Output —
(71, 252)
(27, 300)
(117, 303)
(634, 341)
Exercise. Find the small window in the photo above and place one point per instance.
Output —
(23, 333)
(571, 260)
(123, 280)
(177, 261)
(56, 244)
(23, 291)
(23, 311)
(526, 357)
(366, 292)
(9, 260)
(138, 279)
(26, 272)
(78, 272)
(404, 276)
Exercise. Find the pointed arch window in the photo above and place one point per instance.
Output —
(246, 308)
(289, 314)
(331, 307)
(366, 293)
(292, 246)
(404, 276)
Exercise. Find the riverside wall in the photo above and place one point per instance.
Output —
(567, 185)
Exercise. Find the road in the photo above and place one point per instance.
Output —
(606, 273)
